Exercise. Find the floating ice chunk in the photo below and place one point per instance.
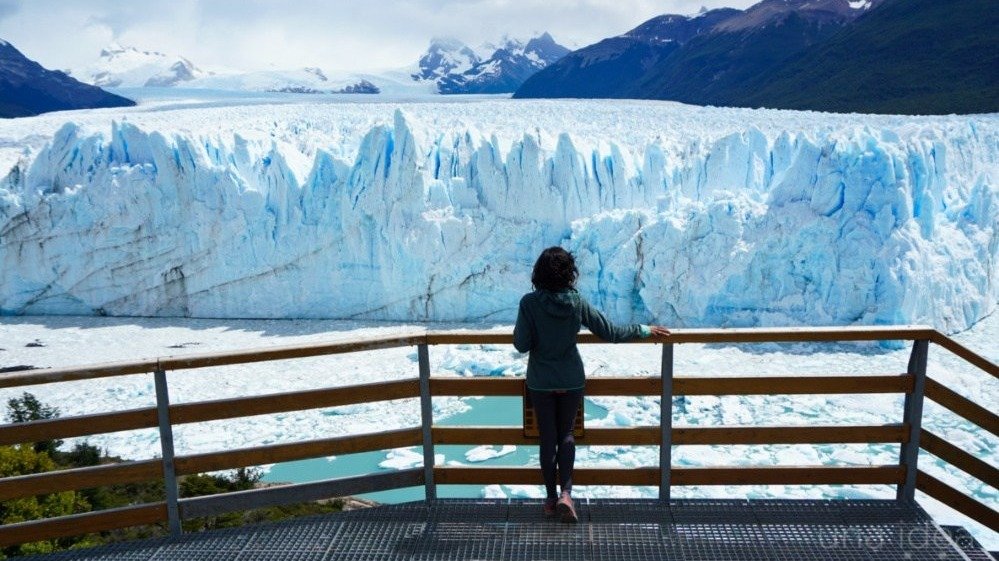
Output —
(483, 453)
(525, 491)
(493, 492)
(406, 458)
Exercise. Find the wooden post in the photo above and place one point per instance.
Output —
(166, 443)
(666, 423)
(913, 416)
(427, 418)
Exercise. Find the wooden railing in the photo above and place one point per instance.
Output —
(905, 475)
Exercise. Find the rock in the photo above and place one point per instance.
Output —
(17, 368)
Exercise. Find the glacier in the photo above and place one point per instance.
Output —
(417, 211)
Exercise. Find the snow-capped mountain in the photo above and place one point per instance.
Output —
(448, 66)
(444, 57)
(26, 88)
(311, 80)
(129, 67)
(458, 68)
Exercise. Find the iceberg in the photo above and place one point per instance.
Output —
(682, 215)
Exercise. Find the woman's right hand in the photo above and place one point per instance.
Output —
(659, 331)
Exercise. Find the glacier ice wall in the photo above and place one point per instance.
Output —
(845, 225)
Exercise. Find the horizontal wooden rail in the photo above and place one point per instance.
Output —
(650, 435)
(790, 475)
(801, 334)
(793, 385)
(962, 406)
(748, 475)
(736, 335)
(959, 458)
(491, 435)
(74, 373)
(532, 476)
(80, 425)
(967, 354)
(80, 524)
(749, 335)
(288, 352)
(440, 386)
(790, 435)
(631, 386)
(287, 494)
(69, 374)
(82, 478)
(292, 401)
(216, 461)
(454, 386)
(957, 500)
(79, 478)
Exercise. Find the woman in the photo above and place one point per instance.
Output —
(547, 323)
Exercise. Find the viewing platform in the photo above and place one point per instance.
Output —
(658, 528)
(613, 530)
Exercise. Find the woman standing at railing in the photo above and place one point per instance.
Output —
(547, 324)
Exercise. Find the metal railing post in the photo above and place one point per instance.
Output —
(166, 442)
(913, 416)
(666, 423)
(427, 418)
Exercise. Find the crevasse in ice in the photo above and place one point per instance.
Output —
(758, 226)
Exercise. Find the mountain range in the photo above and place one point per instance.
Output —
(26, 88)
(887, 56)
(129, 67)
(456, 68)
(871, 56)
(449, 66)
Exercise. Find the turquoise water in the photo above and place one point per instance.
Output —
(486, 411)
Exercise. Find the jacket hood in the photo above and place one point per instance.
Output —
(559, 304)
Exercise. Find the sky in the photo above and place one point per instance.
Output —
(330, 34)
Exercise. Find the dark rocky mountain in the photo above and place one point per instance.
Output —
(911, 56)
(875, 56)
(820, 12)
(721, 66)
(610, 68)
(26, 88)
(907, 56)
(458, 69)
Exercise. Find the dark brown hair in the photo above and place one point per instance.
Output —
(555, 270)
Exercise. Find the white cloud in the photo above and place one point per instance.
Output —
(9, 7)
(332, 34)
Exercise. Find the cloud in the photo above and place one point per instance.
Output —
(9, 8)
(332, 34)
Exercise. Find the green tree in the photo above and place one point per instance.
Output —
(27, 408)
(25, 460)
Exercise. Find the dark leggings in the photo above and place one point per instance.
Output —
(556, 413)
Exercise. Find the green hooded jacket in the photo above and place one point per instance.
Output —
(547, 325)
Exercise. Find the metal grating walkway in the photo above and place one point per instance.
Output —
(618, 530)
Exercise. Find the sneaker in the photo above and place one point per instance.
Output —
(566, 510)
(550, 506)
